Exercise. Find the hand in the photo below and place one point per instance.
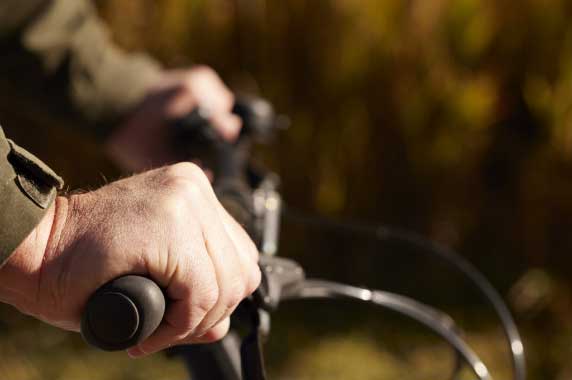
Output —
(166, 224)
(143, 141)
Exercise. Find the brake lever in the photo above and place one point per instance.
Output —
(259, 123)
(278, 275)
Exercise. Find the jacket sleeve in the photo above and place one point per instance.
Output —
(27, 189)
(102, 81)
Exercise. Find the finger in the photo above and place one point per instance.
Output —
(239, 236)
(209, 89)
(227, 125)
(192, 291)
(165, 336)
(231, 283)
(233, 228)
(246, 251)
(216, 333)
(181, 103)
(230, 276)
(213, 335)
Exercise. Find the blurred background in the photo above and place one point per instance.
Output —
(452, 119)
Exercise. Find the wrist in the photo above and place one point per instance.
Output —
(21, 273)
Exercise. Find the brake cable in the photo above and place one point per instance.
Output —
(283, 279)
(449, 256)
(438, 322)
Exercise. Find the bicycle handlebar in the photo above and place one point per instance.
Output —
(123, 313)
(128, 309)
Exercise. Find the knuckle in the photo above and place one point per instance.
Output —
(254, 279)
(172, 206)
(217, 333)
(197, 173)
(183, 169)
(170, 209)
(252, 250)
(189, 189)
(188, 171)
(235, 294)
(181, 189)
(208, 299)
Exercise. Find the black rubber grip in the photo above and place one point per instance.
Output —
(123, 313)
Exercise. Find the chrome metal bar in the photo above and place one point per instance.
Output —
(437, 321)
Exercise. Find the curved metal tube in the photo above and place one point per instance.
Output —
(478, 280)
(439, 322)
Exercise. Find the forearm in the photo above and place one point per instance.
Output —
(21, 272)
(166, 224)
(73, 48)
(28, 187)
(29, 207)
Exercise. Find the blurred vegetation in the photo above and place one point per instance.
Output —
(449, 118)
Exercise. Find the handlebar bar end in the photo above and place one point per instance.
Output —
(123, 313)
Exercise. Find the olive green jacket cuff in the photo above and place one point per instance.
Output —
(28, 187)
(71, 43)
